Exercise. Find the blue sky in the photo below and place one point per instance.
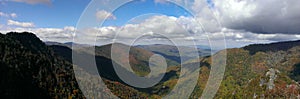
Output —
(136, 8)
(61, 13)
(56, 15)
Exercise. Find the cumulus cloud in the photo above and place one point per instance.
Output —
(156, 25)
(102, 14)
(154, 29)
(182, 29)
(48, 34)
(69, 28)
(241, 22)
(20, 24)
(260, 16)
(55, 34)
(33, 1)
(257, 16)
(239, 35)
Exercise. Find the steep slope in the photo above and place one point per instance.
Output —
(107, 72)
(257, 71)
(31, 70)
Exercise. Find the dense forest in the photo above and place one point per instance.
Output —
(258, 71)
(29, 69)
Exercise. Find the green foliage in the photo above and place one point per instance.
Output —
(247, 69)
(295, 74)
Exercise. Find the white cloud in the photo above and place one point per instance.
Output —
(3, 14)
(260, 16)
(257, 16)
(250, 37)
(20, 24)
(244, 22)
(102, 14)
(181, 29)
(156, 26)
(13, 15)
(69, 28)
(34, 1)
(164, 25)
(48, 34)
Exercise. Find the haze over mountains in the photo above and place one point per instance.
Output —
(176, 53)
(30, 68)
(170, 51)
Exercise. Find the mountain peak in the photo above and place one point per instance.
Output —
(23, 34)
(29, 40)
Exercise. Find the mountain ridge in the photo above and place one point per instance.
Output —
(260, 70)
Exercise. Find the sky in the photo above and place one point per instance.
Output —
(187, 22)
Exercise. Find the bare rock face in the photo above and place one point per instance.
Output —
(272, 77)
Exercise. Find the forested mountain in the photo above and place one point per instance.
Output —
(257, 71)
(270, 72)
(31, 69)
(138, 57)
(106, 70)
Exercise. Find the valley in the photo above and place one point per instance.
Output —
(253, 71)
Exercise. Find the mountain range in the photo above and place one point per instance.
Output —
(31, 68)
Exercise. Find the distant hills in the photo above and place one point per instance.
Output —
(30, 68)
(282, 46)
(138, 56)
(67, 44)
(139, 64)
(173, 53)
(170, 52)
